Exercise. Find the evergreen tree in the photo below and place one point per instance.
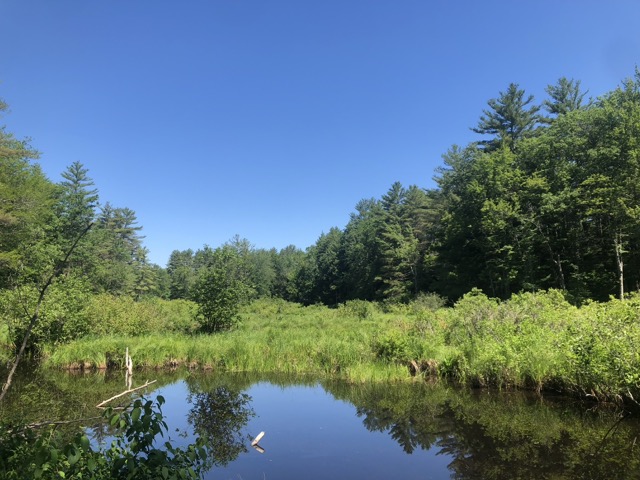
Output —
(565, 96)
(182, 273)
(360, 260)
(78, 201)
(118, 246)
(510, 118)
(287, 264)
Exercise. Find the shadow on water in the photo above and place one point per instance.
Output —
(474, 434)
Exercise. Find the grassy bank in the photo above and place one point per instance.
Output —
(536, 341)
(273, 336)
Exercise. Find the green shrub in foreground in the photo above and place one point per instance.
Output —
(26, 454)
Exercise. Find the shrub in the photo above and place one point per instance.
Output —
(393, 347)
(62, 316)
(357, 309)
(428, 301)
(111, 315)
(26, 454)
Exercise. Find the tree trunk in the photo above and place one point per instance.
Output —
(619, 263)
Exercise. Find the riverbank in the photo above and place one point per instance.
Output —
(534, 340)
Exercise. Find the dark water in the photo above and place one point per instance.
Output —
(327, 429)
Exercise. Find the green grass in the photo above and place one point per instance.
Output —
(534, 340)
(272, 336)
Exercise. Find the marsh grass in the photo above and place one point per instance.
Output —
(534, 340)
(272, 336)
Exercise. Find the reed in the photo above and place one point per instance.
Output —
(533, 340)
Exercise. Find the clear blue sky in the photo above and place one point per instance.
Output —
(270, 119)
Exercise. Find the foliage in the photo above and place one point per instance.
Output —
(508, 118)
(108, 314)
(62, 316)
(565, 97)
(357, 309)
(221, 287)
(533, 340)
(393, 347)
(133, 454)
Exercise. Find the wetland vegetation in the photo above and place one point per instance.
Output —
(518, 271)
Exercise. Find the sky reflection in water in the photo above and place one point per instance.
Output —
(308, 435)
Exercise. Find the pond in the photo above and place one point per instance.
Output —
(318, 429)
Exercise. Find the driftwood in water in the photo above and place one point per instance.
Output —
(255, 441)
(102, 404)
(128, 362)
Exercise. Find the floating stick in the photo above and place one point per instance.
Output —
(257, 439)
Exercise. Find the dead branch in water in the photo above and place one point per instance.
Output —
(102, 404)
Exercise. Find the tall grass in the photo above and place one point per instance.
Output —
(533, 340)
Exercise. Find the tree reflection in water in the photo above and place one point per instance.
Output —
(500, 436)
(219, 415)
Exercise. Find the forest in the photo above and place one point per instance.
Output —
(547, 199)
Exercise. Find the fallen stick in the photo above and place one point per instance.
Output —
(257, 439)
(54, 423)
(101, 404)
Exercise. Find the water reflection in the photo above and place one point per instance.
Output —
(333, 429)
(220, 416)
(502, 436)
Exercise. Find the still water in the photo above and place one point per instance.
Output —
(309, 434)
(329, 429)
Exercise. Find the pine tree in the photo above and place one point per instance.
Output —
(508, 119)
(565, 96)
(77, 202)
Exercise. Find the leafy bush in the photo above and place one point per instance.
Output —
(429, 302)
(357, 309)
(61, 318)
(108, 314)
(175, 315)
(394, 347)
(26, 454)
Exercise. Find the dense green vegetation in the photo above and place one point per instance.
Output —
(533, 340)
(133, 453)
(542, 203)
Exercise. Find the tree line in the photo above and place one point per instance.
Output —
(548, 197)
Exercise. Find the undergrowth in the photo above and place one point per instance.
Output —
(534, 340)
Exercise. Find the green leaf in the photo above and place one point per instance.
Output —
(135, 414)
(84, 442)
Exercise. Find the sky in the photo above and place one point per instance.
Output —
(271, 119)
